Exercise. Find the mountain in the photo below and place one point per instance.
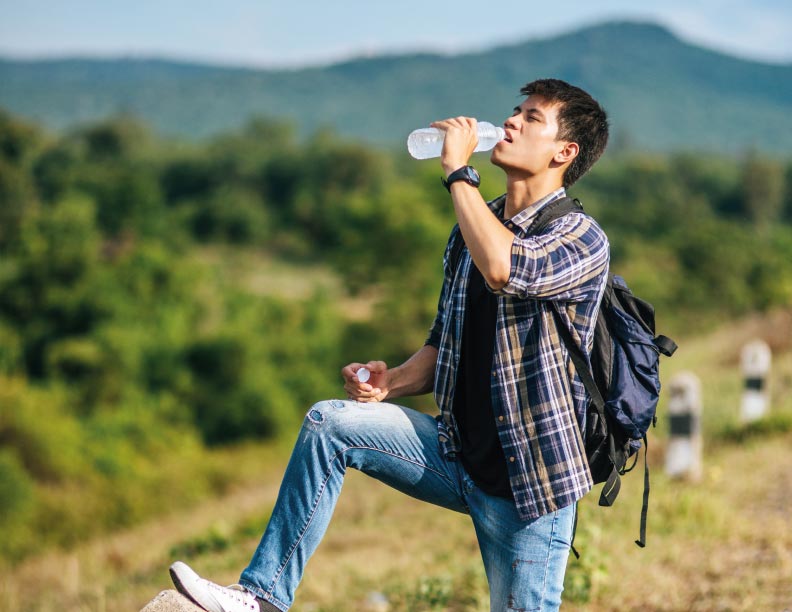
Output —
(662, 93)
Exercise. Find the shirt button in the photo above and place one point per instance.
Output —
(500, 418)
(494, 374)
(511, 459)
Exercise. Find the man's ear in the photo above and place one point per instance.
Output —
(567, 154)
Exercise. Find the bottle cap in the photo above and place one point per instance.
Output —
(363, 375)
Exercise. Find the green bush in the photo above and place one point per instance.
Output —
(16, 488)
(232, 215)
(17, 500)
(37, 427)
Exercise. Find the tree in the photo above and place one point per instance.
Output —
(19, 144)
(762, 189)
(48, 292)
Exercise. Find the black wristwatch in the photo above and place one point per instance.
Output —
(465, 173)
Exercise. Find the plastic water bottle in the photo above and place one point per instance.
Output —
(426, 143)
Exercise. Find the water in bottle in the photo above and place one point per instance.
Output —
(426, 143)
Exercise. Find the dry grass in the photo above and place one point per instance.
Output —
(263, 274)
(724, 543)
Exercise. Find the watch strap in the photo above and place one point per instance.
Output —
(465, 173)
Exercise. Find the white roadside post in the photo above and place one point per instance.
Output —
(683, 456)
(756, 359)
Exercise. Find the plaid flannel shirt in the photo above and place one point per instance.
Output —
(538, 400)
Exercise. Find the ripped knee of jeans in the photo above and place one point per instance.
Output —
(315, 416)
(317, 412)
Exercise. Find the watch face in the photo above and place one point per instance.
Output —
(471, 176)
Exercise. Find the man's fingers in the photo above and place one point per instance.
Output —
(361, 390)
(376, 366)
(459, 122)
(348, 371)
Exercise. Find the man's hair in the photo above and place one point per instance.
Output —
(581, 119)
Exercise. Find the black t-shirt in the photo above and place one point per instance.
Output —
(482, 454)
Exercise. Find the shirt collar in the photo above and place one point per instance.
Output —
(523, 219)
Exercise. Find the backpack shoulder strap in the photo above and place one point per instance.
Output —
(613, 484)
(579, 360)
(548, 214)
(552, 211)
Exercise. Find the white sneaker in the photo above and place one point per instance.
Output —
(210, 596)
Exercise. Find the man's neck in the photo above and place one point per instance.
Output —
(522, 192)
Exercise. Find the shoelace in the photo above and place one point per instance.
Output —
(237, 592)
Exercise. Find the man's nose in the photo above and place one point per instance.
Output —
(510, 122)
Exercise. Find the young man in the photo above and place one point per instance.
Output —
(506, 448)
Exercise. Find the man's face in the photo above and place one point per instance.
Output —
(530, 144)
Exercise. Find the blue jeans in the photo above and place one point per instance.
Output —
(524, 561)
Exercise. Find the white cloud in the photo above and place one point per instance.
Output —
(761, 31)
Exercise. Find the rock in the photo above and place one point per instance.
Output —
(377, 602)
(171, 601)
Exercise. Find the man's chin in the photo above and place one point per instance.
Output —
(496, 159)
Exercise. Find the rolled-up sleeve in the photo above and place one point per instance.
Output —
(564, 263)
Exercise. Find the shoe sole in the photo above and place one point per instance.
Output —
(180, 587)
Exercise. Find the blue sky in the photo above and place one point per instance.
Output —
(297, 32)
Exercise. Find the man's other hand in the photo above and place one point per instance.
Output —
(374, 390)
